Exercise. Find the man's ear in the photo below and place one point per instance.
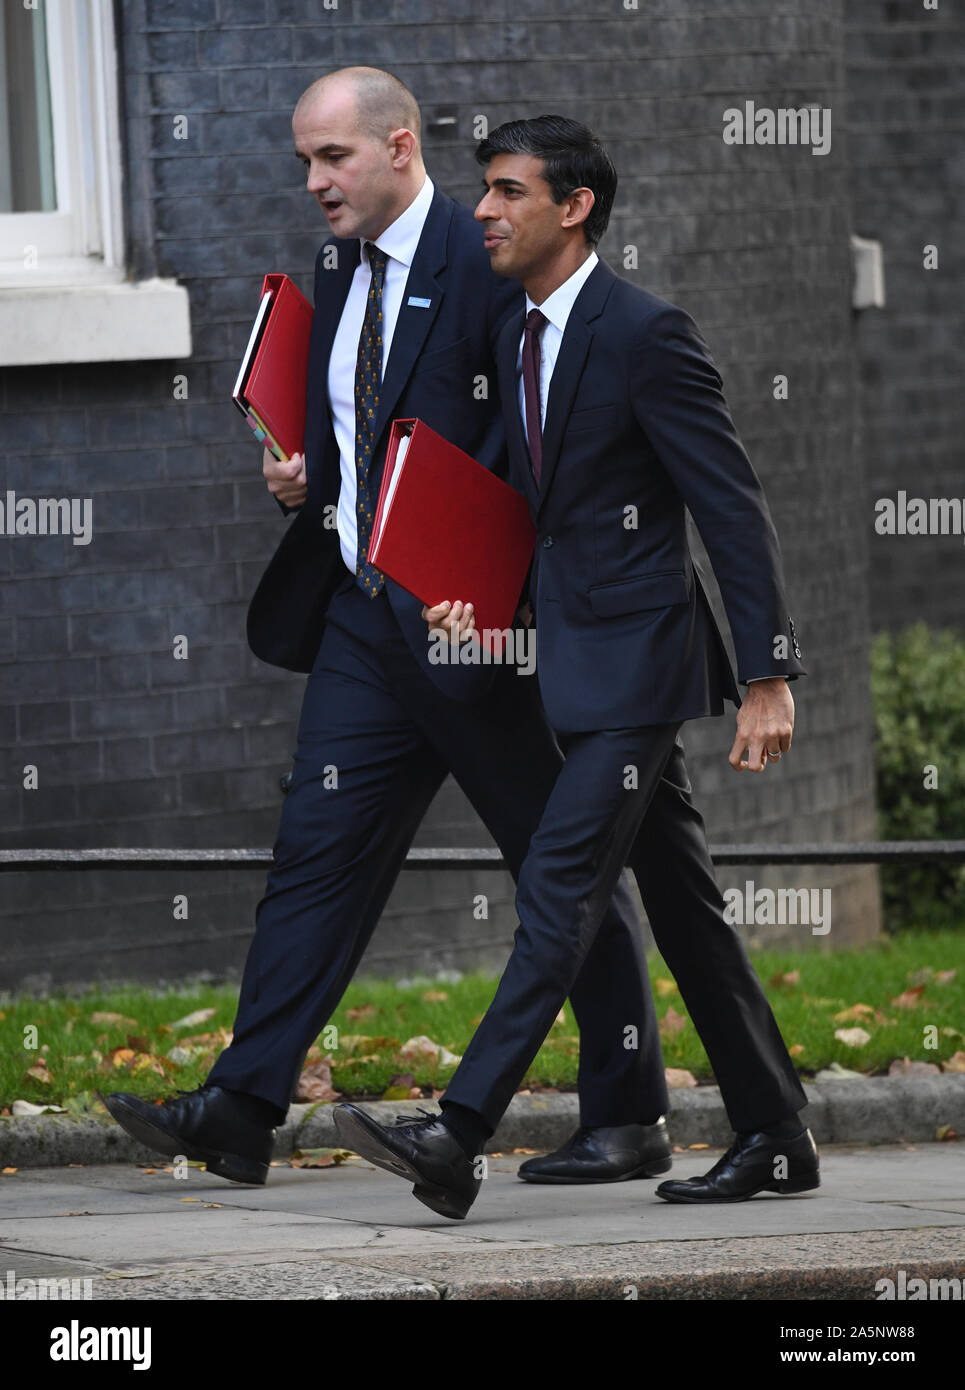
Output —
(402, 146)
(579, 204)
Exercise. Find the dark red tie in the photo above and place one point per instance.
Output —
(535, 322)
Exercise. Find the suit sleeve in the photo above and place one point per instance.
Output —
(678, 402)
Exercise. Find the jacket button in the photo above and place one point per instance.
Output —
(547, 543)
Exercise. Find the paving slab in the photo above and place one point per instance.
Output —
(356, 1232)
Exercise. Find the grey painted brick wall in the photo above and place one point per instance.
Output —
(134, 747)
(906, 115)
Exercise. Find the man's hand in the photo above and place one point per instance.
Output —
(457, 620)
(765, 723)
(286, 481)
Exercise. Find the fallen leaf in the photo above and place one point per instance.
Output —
(945, 977)
(193, 1019)
(397, 1093)
(672, 1023)
(836, 1072)
(698, 1146)
(955, 1063)
(854, 1013)
(146, 1061)
(796, 1049)
(665, 987)
(903, 1066)
(24, 1107)
(190, 1199)
(363, 1011)
(351, 1042)
(560, 1018)
(945, 1132)
(138, 1043)
(679, 1076)
(119, 1056)
(149, 1172)
(112, 1019)
(319, 1158)
(435, 996)
(425, 1048)
(39, 1072)
(215, 1205)
(910, 999)
(315, 1082)
(884, 1020)
(787, 977)
(521, 1151)
(11, 1170)
(852, 1037)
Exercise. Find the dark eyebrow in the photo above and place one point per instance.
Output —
(503, 183)
(323, 150)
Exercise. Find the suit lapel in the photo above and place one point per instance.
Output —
(507, 351)
(425, 282)
(577, 337)
(335, 285)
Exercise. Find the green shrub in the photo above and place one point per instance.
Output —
(918, 682)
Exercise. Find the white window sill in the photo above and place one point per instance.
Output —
(100, 321)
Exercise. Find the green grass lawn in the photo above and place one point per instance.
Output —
(123, 1039)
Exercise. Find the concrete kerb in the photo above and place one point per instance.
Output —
(860, 1110)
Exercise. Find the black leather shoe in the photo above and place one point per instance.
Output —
(748, 1167)
(605, 1155)
(208, 1125)
(423, 1151)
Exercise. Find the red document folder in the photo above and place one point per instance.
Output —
(270, 389)
(447, 528)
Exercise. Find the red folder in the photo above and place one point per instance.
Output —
(447, 528)
(270, 389)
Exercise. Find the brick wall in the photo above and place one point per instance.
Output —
(134, 747)
(906, 105)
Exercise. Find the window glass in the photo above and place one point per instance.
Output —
(26, 135)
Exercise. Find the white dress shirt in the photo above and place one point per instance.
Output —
(399, 242)
(556, 307)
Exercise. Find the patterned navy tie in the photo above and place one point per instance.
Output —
(532, 361)
(368, 384)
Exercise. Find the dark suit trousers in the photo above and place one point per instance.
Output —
(374, 720)
(593, 824)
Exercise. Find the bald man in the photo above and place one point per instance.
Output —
(407, 313)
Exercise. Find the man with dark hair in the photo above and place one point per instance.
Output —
(614, 410)
(407, 310)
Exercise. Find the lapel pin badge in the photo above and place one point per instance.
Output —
(417, 303)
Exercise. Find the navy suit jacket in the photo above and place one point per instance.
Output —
(437, 357)
(637, 431)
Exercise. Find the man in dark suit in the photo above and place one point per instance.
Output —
(616, 425)
(407, 311)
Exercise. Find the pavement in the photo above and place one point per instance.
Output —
(355, 1232)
